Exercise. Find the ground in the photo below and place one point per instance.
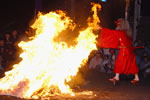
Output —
(97, 87)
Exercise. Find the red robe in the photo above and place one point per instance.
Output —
(126, 61)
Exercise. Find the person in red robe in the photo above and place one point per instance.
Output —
(120, 39)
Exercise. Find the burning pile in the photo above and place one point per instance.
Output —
(47, 65)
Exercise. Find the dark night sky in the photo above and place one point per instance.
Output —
(18, 13)
(15, 12)
(145, 6)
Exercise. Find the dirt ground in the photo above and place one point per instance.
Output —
(98, 87)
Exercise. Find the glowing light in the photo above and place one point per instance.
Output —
(47, 65)
(104, 0)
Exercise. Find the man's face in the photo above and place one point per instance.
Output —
(118, 22)
(14, 32)
(7, 35)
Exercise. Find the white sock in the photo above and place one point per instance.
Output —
(117, 76)
(136, 77)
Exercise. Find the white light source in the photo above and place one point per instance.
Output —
(104, 0)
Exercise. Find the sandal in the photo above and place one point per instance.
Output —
(114, 81)
(135, 82)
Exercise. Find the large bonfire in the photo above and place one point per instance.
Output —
(47, 65)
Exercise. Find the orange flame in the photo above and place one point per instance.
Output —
(95, 19)
(47, 65)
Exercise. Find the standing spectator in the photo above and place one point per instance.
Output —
(116, 52)
(139, 51)
(1, 54)
(8, 51)
(147, 48)
(95, 62)
(14, 39)
(106, 65)
(107, 52)
(14, 36)
(147, 71)
(144, 65)
(113, 59)
(27, 34)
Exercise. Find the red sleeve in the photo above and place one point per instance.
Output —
(109, 38)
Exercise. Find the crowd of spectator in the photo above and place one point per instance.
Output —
(9, 49)
(104, 59)
(101, 60)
